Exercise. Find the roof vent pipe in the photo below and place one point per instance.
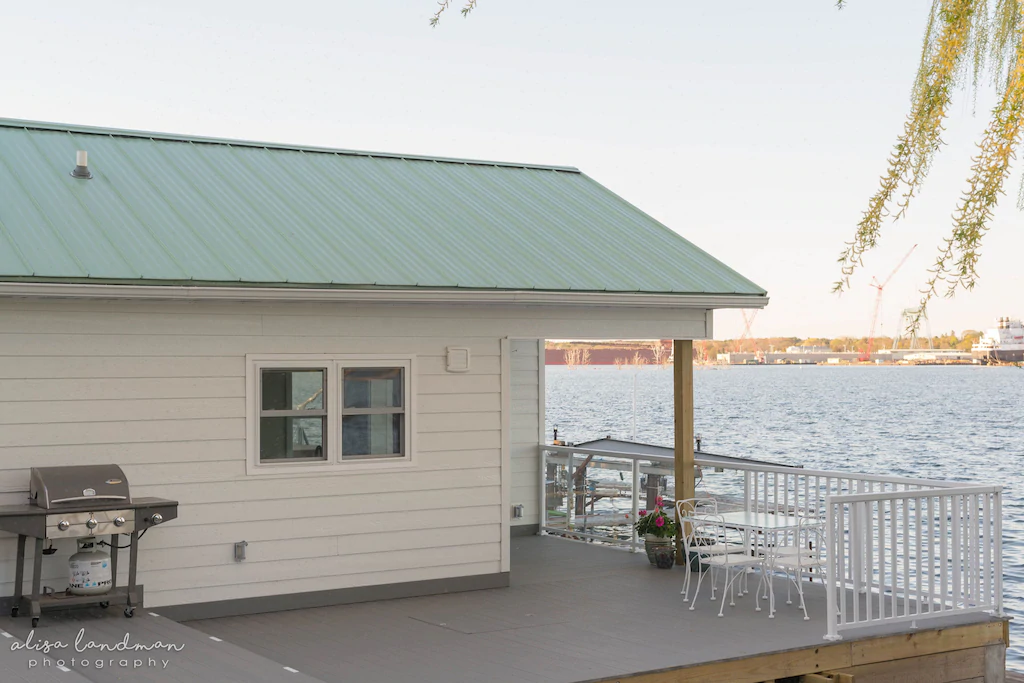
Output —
(81, 165)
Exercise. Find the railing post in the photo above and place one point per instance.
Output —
(570, 496)
(634, 516)
(997, 533)
(831, 580)
(543, 493)
(746, 490)
(864, 533)
(855, 558)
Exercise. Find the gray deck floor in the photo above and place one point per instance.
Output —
(574, 613)
(201, 659)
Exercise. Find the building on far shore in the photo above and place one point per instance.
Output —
(808, 349)
(883, 356)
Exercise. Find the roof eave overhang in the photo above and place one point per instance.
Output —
(51, 290)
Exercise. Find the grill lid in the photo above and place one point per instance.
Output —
(77, 484)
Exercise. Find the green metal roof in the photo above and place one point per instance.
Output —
(169, 209)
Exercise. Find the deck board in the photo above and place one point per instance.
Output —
(574, 612)
(201, 659)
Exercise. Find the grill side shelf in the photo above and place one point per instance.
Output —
(25, 524)
(147, 508)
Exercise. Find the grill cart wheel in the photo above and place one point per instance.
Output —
(14, 611)
(35, 622)
(129, 612)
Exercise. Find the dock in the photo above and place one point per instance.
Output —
(579, 613)
(574, 613)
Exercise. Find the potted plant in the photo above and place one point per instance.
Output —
(659, 532)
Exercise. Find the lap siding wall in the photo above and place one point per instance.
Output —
(527, 415)
(159, 388)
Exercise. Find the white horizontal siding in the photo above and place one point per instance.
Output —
(527, 357)
(159, 388)
(105, 367)
(148, 345)
(394, 571)
(415, 536)
(438, 417)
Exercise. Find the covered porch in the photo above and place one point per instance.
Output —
(919, 548)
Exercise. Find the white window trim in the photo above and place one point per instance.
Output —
(334, 363)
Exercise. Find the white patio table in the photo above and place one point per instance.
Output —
(769, 526)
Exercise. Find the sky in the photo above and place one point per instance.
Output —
(756, 130)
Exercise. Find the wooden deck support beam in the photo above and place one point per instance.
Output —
(938, 655)
(682, 371)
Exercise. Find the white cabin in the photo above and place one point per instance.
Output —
(336, 357)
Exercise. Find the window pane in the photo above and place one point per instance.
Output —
(372, 434)
(373, 387)
(282, 438)
(293, 389)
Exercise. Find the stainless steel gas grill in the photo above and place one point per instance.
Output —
(79, 502)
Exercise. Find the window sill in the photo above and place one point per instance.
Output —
(306, 469)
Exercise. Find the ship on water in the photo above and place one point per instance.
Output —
(1003, 343)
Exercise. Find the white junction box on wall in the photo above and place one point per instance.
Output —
(458, 359)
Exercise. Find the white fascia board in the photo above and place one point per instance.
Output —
(406, 296)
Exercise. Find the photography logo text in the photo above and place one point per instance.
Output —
(84, 652)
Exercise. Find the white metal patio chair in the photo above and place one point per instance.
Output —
(687, 510)
(799, 559)
(734, 558)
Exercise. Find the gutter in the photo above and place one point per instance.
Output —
(46, 290)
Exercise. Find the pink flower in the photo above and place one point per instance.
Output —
(659, 501)
(643, 513)
(659, 522)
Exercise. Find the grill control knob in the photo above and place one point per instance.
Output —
(118, 521)
(63, 525)
(92, 523)
(156, 518)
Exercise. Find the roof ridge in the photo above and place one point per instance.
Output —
(178, 137)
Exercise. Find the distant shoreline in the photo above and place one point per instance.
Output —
(756, 352)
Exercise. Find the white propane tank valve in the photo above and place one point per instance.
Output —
(89, 569)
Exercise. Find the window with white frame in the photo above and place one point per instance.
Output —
(293, 414)
(373, 413)
(323, 413)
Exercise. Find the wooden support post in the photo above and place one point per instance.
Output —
(682, 370)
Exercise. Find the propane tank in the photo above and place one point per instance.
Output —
(89, 569)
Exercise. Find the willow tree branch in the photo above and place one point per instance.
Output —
(946, 43)
(443, 5)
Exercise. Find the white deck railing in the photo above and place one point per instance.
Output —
(897, 548)
(912, 555)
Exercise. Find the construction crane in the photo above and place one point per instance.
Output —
(748, 321)
(880, 286)
(911, 320)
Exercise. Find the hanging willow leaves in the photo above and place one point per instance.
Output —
(443, 5)
(956, 265)
(962, 38)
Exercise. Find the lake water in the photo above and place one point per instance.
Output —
(962, 423)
